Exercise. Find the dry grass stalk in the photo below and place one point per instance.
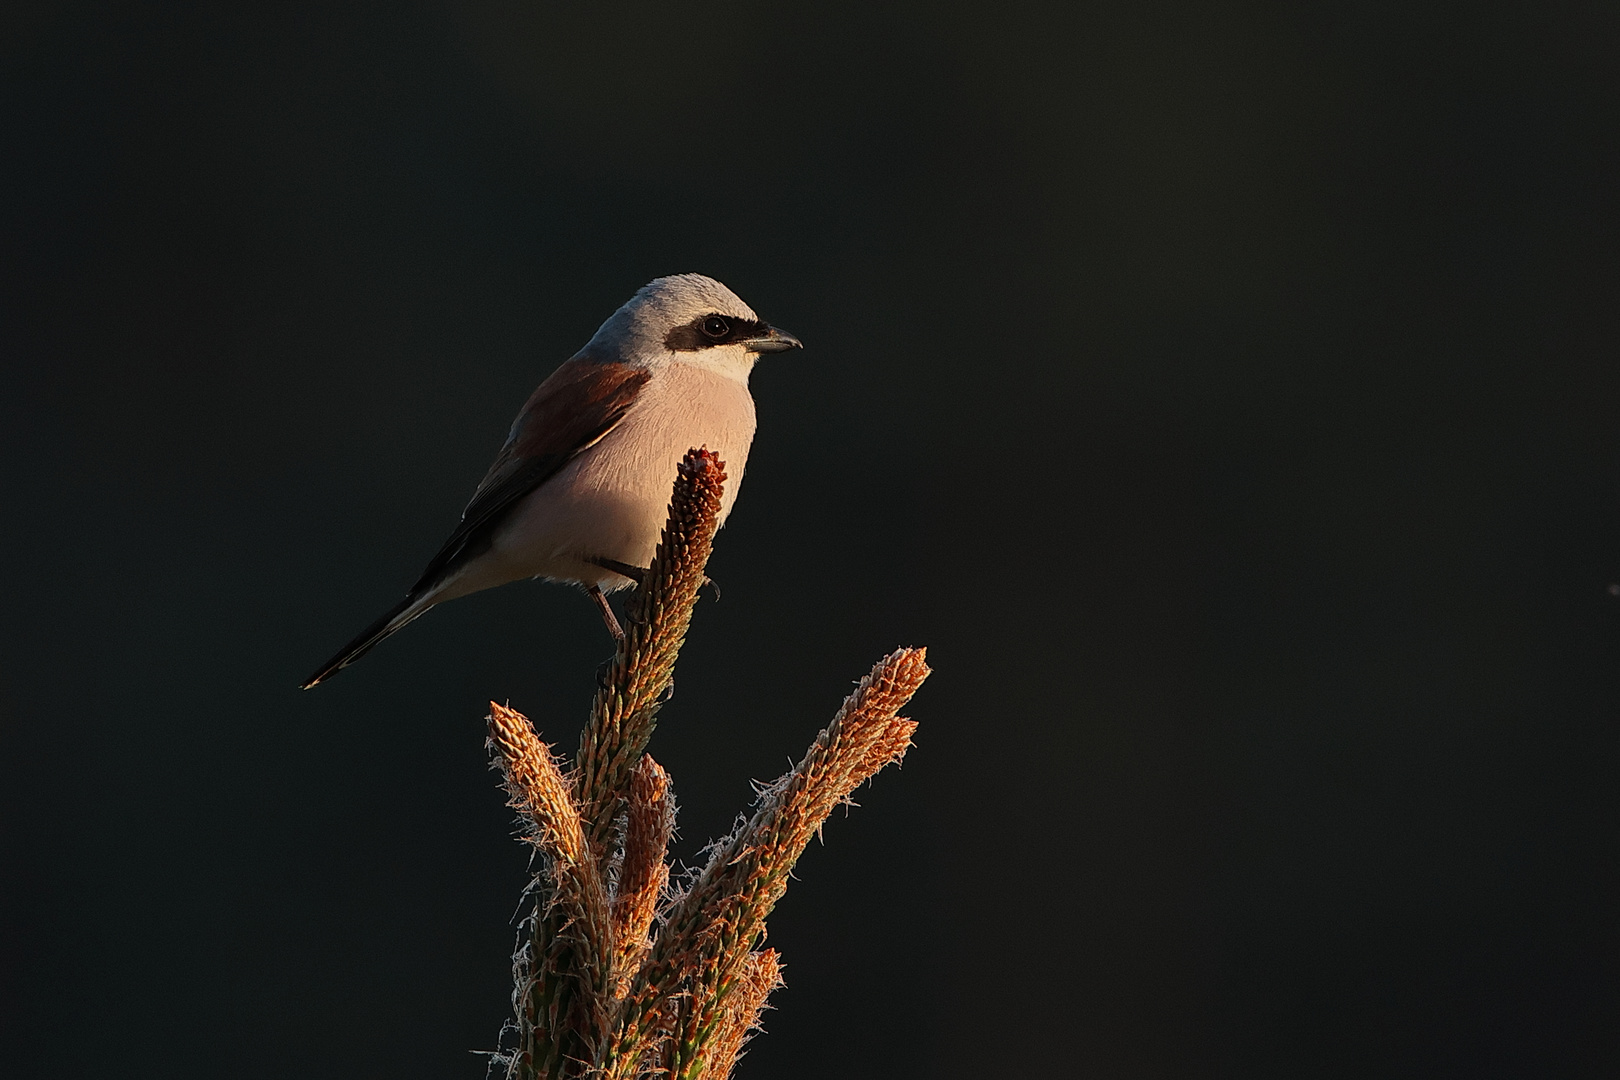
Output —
(616, 978)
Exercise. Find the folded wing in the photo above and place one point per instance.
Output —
(568, 413)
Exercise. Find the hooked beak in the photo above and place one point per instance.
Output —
(772, 340)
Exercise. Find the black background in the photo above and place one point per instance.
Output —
(1226, 394)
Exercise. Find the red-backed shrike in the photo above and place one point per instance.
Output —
(579, 492)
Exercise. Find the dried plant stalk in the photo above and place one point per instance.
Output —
(710, 931)
(626, 707)
(556, 1029)
(536, 787)
(576, 903)
(616, 978)
(650, 822)
(739, 1016)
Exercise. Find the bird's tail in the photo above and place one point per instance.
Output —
(403, 612)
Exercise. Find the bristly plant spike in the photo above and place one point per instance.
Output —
(616, 977)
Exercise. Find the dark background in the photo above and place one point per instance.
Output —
(1226, 394)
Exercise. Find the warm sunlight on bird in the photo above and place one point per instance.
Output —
(579, 491)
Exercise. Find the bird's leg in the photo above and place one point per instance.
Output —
(623, 569)
(606, 609)
(638, 574)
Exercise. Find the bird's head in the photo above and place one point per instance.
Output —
(689, 318)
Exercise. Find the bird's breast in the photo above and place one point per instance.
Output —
(611, 500)
(682, 406)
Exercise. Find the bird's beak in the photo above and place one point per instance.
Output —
(772, 340)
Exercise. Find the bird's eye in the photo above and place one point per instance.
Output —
(716, 327)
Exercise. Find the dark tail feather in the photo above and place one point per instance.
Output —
(402, 613)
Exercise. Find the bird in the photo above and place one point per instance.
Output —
(578, 492)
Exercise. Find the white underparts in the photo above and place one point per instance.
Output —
(610, 502)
